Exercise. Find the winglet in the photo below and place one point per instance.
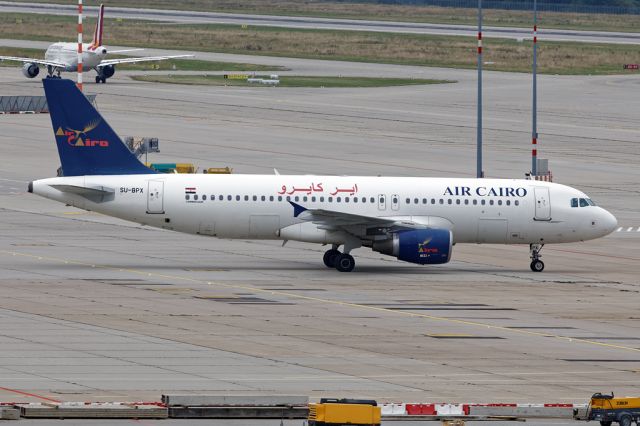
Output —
(297, 209)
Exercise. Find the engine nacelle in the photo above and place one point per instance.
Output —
(423, 246)
(30, 70)
(107, 71)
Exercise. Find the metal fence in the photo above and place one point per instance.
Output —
(548, 6)
(28, 104)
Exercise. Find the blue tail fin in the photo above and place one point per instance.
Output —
(87, 145)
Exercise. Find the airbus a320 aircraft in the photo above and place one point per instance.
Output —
(64, 57)
(416, 220)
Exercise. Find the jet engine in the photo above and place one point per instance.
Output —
(422, 246)
(30, 70)
(107, 71)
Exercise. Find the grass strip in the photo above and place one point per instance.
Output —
(377, 47)
(289, 81)
(389, 12)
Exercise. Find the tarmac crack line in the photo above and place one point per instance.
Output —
(333, 302)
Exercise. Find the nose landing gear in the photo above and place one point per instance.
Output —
(537, 265)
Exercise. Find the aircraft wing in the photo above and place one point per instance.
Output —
(140, 59)
(34, 61)
(330, 219)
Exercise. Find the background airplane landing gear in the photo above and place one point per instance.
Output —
(100, 79)
(330, 257)
(345, 262)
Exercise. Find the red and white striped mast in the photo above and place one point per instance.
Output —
(79, 83)
(534, 116)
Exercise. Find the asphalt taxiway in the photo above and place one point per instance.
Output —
(93, 308)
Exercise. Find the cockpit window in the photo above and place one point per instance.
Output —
(583, 202)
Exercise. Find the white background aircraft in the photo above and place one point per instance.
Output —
(64, 57)
(417, 220)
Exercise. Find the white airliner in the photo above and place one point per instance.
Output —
(417, 220)
(64, 57)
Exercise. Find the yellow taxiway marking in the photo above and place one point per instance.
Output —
(332, 302)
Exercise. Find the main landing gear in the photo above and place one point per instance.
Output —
(343, 262)
(101, 79)
(537, 265)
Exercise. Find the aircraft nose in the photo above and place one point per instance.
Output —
(609, 222)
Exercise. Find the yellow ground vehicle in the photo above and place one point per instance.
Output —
(342, 412)
(608, 409)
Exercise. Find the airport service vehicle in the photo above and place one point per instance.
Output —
(416, 220)
(339, 412)
(608, 409)
(64, 57)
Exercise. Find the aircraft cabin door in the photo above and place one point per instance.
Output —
(155, 197)
(382, 202)
(395, 202)
(543, 203)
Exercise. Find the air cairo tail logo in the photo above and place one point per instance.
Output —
(424, 251)
(78, 138)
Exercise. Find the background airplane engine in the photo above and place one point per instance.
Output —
(422, 246)
(30, 70)
(107, 71)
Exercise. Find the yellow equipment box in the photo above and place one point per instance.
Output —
(342, 412)
(608, 409)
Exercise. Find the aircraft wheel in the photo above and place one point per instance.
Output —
(537, 266)
(97, 79)
(625, 420)
(330, 257)
(345, 263)
(104, 80)
(605, 423)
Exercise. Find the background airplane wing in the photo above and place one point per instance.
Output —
(34, 61)
(141, 59)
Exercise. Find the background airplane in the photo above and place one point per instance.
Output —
(416, 220)
(64, 57)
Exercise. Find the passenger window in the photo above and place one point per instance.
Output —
(433, 201)
(246, 198)
(491, 202)
(305, 198)
(574, 202)
(229, 197)
(195, 197)
(466, 202)
(255, 198)
(338, 199)
(346, 199)
(204, 198)
(221, 197)
(458, 201)
(516, 202)
(263, 198)
(475, 202)
(415, 201)
(313, 199)
(296, 198)
(424, 201)
(363, 199)
(372, 200)
(583, 202)
(288, 198)
(186, 197)
(355, 199)
(483, 202)
(508, 202)
(279, 197)
(449, 201)
(408, 200)
(330, 199)
(322, 199)
(441, 201)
